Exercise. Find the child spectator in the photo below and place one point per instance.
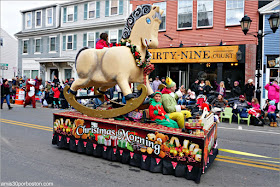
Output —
(158, 114)
(255, 111)
(271, 113)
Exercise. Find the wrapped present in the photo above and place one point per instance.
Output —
(107, 142)
(122, 143)
(101, 139)
(113, 141)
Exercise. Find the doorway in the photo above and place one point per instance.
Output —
(179, 77)
(52, 73)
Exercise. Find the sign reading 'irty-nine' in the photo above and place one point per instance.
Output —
(195, 54)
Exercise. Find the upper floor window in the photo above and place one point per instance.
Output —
(70, 13)
(114, 7)
(69, 42)
(185, 13)
(162, 6)
(52, 43)
(1, 42)
(25, 47)
(37, 45)
(28, 20)
(113, 36)
(49, 17)
(91, 39)
(204, 13)
(91, 10)
(235, 12)
(38, 18)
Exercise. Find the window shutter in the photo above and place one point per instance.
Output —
(57, 43)
(64, 43)
(85, 11)
(120, 7)
(107, 4)
(85, 40)
(64, 14)
(98, 9)
(48, 44)
(32, 47)
(75, 13)
(120, 35)
(75, 42)
(41, 45)
(96, 36)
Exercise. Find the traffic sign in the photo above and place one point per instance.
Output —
(4, 66)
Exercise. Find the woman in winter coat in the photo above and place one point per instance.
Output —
(56, 95)
(221, 89)
(273, 92)
(103, 41)
(5, 94)
(207, 88)
(201, 87)
(236, 90)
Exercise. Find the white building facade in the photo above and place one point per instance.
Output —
(8, 57)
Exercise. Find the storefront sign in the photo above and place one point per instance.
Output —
(195, 54)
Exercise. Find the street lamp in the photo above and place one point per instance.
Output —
(274, 22)
(245, 26)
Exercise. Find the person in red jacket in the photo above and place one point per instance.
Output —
(103, 41)
(56, 94)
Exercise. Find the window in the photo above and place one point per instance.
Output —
(91, 40)
(204, 13)
(185, 13)
(38, 19)
(114, 7)
(49, 17)
(25, 47)
(1, 42)
(28, 23)
(235, 12)
(67, 73)
(37, 45)
(26, 73)
(70, 13)
(52, 43)
(91, 10)
(113, 36)
(162, 6)
(34, 74)
(70, 42)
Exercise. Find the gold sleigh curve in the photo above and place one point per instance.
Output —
(130, 105)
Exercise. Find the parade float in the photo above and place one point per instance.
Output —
(101, 133)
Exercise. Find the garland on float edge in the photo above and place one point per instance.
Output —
(136, 54)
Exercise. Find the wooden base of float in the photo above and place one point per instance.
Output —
(151, 147)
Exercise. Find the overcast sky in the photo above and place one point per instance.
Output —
(11, 19)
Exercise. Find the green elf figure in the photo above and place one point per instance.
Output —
(158, 114)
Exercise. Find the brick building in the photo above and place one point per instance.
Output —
(196, 26)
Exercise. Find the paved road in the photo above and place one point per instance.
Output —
(28, 155)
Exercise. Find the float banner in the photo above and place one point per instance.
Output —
(195, 54)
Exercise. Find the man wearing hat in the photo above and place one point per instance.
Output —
(249, 90)
(169, 97)
(156, 83)
(238, 106)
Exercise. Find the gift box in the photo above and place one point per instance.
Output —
(107, 142)
(101, 139)
(122, 143)
(113, 141)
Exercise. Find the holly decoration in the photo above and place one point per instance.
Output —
(136, 53)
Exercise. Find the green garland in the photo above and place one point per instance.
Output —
(136, 54)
